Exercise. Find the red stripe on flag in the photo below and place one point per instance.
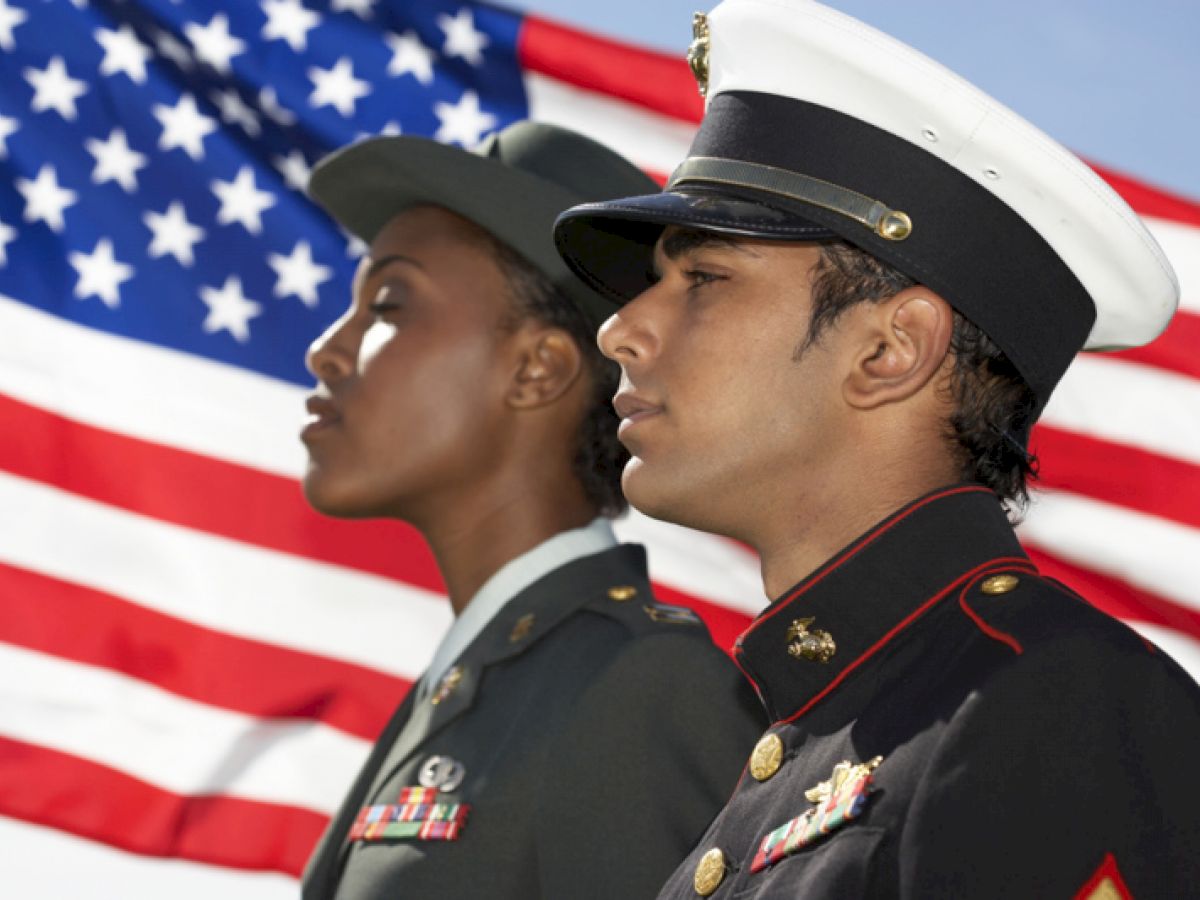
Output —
(230, 500)
(1116, 597)
(237, 502)
(656, 81)
(1151, 201)
(105, 805)
(196, 662)
(1118, 474)
(1174, 350)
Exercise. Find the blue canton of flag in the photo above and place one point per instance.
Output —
(155, 154)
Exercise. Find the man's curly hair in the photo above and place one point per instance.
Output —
(994, 408)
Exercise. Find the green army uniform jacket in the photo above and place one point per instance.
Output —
(578, 749)
(948, 723)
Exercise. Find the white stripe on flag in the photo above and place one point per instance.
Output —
(222, 584)
(1181, 243)
(56, 864)
(1148, 552)
(1128, 403)
(1181, 647)
(653, 141)
(149, 392)
(171, 742)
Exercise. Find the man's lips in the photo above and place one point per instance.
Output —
(633, 409)
(322, 413)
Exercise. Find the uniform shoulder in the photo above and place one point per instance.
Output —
(635, 607)
(1053, 631)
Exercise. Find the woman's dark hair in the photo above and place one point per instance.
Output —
(994, 409)
(599, 456)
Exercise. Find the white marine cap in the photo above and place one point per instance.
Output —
(819, 126)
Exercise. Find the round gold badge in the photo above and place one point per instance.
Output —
(999, 584)
(767, 757)
(710, 872)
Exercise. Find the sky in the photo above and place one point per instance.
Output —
(1117, 82)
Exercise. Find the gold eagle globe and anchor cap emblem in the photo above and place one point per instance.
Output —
(814, 644)
(697, 55)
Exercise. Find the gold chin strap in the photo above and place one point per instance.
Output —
(890, 224)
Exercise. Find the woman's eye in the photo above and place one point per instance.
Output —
(387, 300)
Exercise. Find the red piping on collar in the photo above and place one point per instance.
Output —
(1006, 562)
(853, 551)
(994, 633)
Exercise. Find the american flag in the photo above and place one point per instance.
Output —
(192, 663)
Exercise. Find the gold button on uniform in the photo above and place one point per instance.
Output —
(710, 872)
(767, 757)
(999, 584)
(621, 593)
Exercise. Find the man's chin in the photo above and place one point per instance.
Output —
(650, 494)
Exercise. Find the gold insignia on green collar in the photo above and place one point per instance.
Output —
(697, 55)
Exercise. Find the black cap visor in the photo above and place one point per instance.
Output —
(610, 245)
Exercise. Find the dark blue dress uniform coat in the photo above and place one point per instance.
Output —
(593, 733)
(1031, 746)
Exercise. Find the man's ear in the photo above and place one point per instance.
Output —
(548, 363)
(902, 345)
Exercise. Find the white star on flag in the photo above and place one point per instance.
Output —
(8, 127)
(45, 200)
(173, 234)
(294, 168)
(289, 21)
(123, 52)
(115, 161)
(410, 57)
(361, 8)
(54, 88)
(241, 201)
(9, 19)
(7, 236)
(214, 44)
(462, 38)
(297, 274)
(463, 122)
(234, 111)
(271, 106)
(184, 126)
(337, 87)
(100, 274)
(229, 309)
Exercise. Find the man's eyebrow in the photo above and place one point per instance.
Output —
(384, 261)
(685, 240)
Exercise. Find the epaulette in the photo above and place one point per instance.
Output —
(1018, 607)
(636, 607)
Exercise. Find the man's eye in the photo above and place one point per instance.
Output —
(698, 277)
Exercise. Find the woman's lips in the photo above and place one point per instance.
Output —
(322, 414)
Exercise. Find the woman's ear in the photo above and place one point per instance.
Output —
(548, 363)
(904, 342)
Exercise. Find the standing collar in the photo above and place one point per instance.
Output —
(509, 580)
(872, 590)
